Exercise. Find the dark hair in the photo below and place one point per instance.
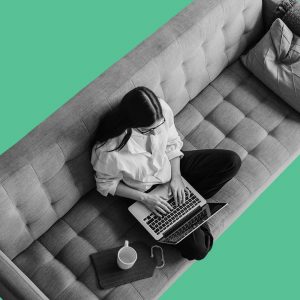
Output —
(140, 107)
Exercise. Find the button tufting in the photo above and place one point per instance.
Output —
(162, 81)
(244, 9)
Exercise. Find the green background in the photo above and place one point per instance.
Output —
(51, 50)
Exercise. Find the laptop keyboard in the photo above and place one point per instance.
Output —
(159, 224)
(185, 229)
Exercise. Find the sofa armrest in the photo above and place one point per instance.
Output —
(16, 282)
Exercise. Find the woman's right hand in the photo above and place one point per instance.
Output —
(157, 204)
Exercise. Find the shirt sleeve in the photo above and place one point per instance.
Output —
(174, 143)
(107, 174)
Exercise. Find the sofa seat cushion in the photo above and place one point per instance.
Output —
(238, 112)
(59, 263)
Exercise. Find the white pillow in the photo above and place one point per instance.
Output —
(275, 60)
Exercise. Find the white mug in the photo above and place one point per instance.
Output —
(127, 256)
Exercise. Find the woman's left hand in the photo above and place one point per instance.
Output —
(177, 186)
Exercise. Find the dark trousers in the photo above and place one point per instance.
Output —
(207, 170)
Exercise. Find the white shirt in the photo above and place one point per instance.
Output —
(133, 164)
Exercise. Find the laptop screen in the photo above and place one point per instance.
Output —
(214, 207)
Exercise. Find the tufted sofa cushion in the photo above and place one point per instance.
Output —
(235, 111)
(238, 112)
(53, 217)
(44, 175)
(220, 32)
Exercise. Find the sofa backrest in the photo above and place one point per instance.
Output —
(48, 171)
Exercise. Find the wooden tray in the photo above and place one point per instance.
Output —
(108, 272)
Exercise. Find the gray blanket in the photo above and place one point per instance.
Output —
(289, 12)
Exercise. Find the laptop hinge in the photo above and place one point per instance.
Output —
(186, 218)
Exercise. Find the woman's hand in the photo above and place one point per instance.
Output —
(177, 186)
(157, 204)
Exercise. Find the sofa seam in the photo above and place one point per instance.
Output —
(261, 163)
(205, 58)
(21, 215)
(132, 82)
(160, 77)
(231, 68)
(64, 246)
(64, 165)
(204, 119)
(270, 134)
(46, 192)
(250, 192)
(221, 4)
(84, 125)
(181, 67)
(137, 291)
(59, 294)
(283, 146)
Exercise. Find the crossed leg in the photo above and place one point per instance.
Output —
(207, 170)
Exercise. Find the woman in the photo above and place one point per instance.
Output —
(137, 146)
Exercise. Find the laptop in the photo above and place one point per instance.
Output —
(183, 219)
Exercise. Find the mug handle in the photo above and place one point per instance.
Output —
(162, 256)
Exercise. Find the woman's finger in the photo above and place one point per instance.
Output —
(159, 215)
(160, 209)
(179, 196)
(175, 196)
(188, 192)
(183, 195)
(165, 207)
(167, 203)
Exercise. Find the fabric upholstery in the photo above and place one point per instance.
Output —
(54, 159)
(53, 218)
(275, 60)
(237, 112)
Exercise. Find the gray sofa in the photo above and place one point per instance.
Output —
(52, 216)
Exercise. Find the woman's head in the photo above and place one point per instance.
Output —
(139, 108)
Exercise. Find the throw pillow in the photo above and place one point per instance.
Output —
(275, 60)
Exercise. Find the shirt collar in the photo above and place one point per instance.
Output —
(133, 145)
(136, 133)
